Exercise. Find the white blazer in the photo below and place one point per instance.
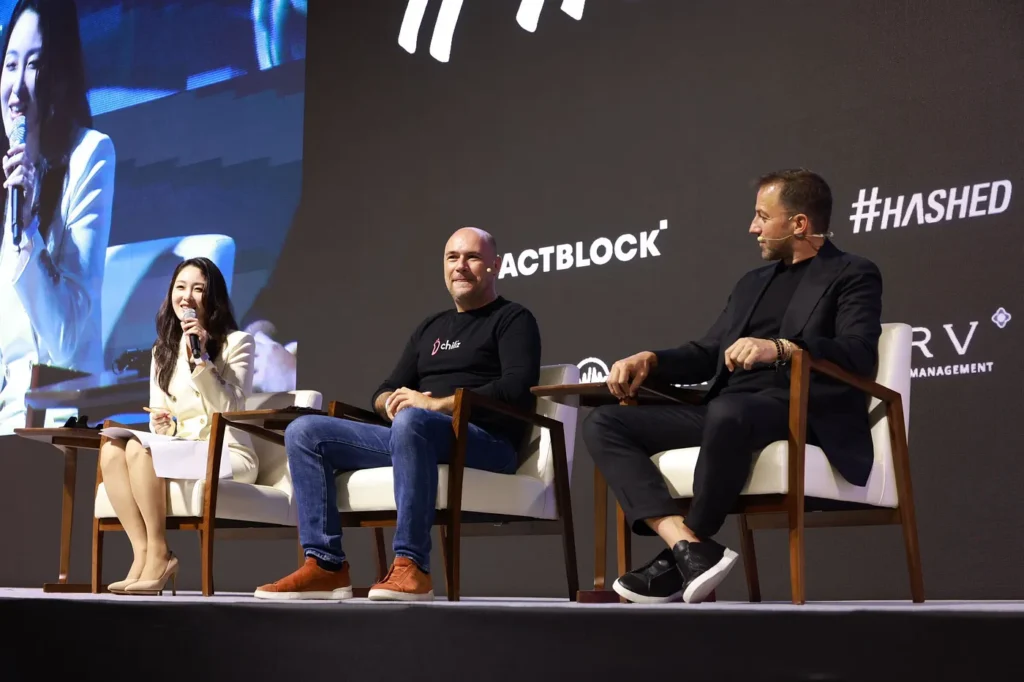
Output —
(218, 386)
(50, 290)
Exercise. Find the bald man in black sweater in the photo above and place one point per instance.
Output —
(487, 344)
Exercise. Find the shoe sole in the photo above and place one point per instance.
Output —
(641, 598)
(339, 594)
(394, 595)
(704, 584)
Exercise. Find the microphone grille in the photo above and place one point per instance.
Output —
(188, 313)
(18, 131)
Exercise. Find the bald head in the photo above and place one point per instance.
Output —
(471, 268)
(480, 240)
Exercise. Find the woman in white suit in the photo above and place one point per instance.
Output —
(185, 392)
(53, 252)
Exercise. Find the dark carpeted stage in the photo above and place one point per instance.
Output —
(233, 637)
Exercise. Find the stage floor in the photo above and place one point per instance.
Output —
(189, 635)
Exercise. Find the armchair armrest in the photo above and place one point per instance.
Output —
(465, 402)
(872, 388)
(265, 424)
(346, 411)
(597, 393)
(799, 390)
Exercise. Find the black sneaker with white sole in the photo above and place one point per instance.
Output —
(702, 566)
(656, 582)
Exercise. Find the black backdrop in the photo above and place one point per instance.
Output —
(647, 111)
(667, 110)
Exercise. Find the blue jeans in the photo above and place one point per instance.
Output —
(418, 440)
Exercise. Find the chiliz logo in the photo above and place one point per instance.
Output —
(447, 345)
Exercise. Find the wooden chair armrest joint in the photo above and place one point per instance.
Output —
(345, 411)
(872, 388)
(469, 400)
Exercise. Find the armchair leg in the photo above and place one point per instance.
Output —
(600, 530)
(796, 555)
(624, 540)
(452, 569)
(905, 491)
(912, 553)
(909, 524)
(749, 559)
(206, 541)
(97, 557)
(381, 554)
(446, 558)
(572, 576)
(301, 555)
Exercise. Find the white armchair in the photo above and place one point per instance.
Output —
(793, 486)
(233, 509)
(534, 500)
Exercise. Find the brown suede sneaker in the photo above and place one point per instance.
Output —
(404, 582)
(310, 582)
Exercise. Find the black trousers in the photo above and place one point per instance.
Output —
(728, 429)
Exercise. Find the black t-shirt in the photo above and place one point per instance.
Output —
(493, 350)
(764, 323)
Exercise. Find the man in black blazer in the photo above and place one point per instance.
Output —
(813, 297)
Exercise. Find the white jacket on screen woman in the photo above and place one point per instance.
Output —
(50, 289)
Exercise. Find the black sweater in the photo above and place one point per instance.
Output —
(493, 350)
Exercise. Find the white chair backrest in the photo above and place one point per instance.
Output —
(539, 461)
(894, 348)
(272, 458)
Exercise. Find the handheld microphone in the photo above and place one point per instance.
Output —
(16, 196)
(193, 339)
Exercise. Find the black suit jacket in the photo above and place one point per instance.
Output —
(835, 315)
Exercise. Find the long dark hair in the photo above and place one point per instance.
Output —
(60, 98)
(218, 319)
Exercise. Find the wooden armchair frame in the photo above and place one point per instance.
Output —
(265, 424)
(792, 510)
(453, 521)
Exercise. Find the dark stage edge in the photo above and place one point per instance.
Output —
(225, 638)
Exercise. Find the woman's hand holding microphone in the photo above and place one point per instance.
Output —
(190, 326)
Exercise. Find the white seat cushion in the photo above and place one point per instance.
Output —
(238, 501)
(482, 491)
(770, 476)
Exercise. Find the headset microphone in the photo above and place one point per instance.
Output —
(762, 240)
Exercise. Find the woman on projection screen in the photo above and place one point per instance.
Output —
(59, 173)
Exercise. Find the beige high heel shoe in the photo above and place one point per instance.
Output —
(154, 587)
(121, 585)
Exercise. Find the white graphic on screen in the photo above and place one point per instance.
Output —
(600, 251)
(448, 16)
(592, 370)
(953, 203)
(1001, 318)
(595, 371)
(950, 353)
